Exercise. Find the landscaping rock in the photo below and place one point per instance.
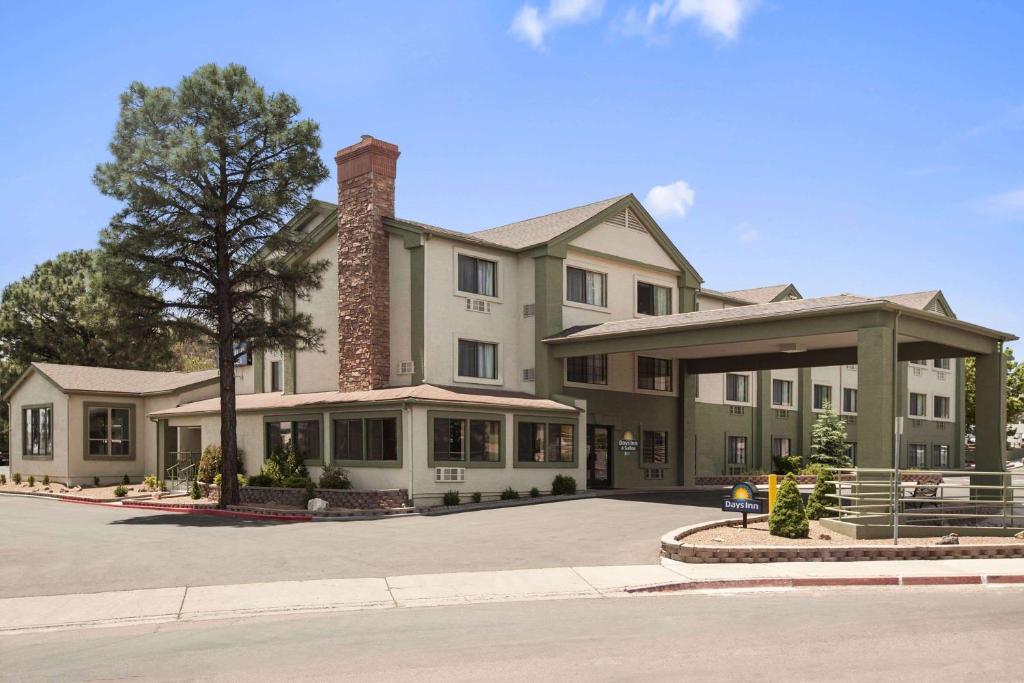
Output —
(949, 539)
(317, 505)
(1019, 534)
(824, 537)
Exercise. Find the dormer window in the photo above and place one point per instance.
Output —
(478, 276)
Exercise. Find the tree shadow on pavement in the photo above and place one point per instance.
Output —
(708, 499)
(178, 519)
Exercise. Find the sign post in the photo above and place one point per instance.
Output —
(743, 499)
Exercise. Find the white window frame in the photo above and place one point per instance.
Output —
(949, 408)
(657, 282)
(725, 389)
(856, 401)
(584, 265)
(831, 396)
(499, 274)
(792, 393)
(910, 403)
(499, 363)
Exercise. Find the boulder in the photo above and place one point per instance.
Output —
(949, 539)
(1019, 534)
(317, 505)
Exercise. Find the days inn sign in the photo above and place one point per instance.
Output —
(743, 499)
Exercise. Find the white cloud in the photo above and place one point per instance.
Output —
(721, 18)
(532, 25)
(674, 199)
(747, 234)
(1007, 205)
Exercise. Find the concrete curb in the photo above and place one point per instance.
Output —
(830, 582)
(497, 504)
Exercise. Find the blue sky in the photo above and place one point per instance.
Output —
(867, 147)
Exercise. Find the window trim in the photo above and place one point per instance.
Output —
(949, 456)
(746, 450)
(648, 429)
(297, 417)
(910, 403)
(586, 267)
(792, 384)
(856, 399)
(589, 385)
(498, 379)
(725, 389)
(789, 446)
(910, 446)
(468, 416)
(948, 417)
(498, 285)
(133, 435)
(673, 391)
(648, 280)
(25, 455)
(519, 418)
(365, 415)
(830, 395)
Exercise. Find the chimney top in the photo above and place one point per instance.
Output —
(369, 155)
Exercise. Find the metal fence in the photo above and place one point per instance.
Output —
(939, 498)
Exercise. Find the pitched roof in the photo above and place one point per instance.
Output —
(427, 393)
(917, 300)
(82, 378)
(726, 316)
(759, 295)
(542, 229)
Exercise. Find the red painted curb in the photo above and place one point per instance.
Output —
(853, 581)
(941, 580)
(1006, 578)
(825, 582)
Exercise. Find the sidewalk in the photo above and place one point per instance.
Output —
(160, 605)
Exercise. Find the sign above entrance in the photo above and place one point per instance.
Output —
(628, 443)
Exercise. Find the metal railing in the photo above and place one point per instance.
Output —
(940, 498)
(183, 469)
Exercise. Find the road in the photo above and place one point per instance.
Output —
(51, 548)
(953, 634)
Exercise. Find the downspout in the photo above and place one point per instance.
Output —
(898, 433)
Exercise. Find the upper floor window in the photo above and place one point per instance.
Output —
(782, 392)
(654, 374)
(37, 430)
(942, 363)
(110, 431)
(653, 299)
(941, 405)
(478, 276)
(478, 359)
(737, 388)
(276, 375)
(918, 405)
(587, 369)
(849, 400)
(822, 396)
(586, 287)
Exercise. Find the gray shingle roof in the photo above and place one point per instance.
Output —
(758, 295)
(74, 378)
(543, 229)
(913, 299)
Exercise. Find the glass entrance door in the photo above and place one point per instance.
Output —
(599, 472)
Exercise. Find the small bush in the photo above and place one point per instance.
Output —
(296, 482)
(31, 480)
(162, 486)
(121, 491)
(477, 497)
(17, 478)
(819, 498)
(150, 482)
(788, 517)
(535, 492)
(563, 485)
(815, 468)
(3, 479)
(219, 478)
(786, 464)
(509, 494)
(334, 477)
(310, 491)
(196, 493)
(211, 462)
(95, 481)
(261, 480)
(125, 480)
(452, 498)
(46, 480)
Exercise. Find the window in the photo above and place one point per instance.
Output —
(109, 431)
(484, 441)
(916, 453)
(851, 451)
(243, 354)
(37, 430)
(736, 450)
(303, 434)
(539, 442)
(467, 439)
(366, 439)
(586, 287)
(849, 400)
(918, 405)
(654, 374)
(940, 456)
(941, 405)
(782, 392)
(781, 447)
(655, 448)
(478, 276)
(822, 396)
(449, 439)
(942, 363)
(652, 299)
(919, 362)
(737, 388)
(277, 375)
(587, 369)
(478, 359)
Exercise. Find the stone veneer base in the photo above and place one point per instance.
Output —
(674, 547)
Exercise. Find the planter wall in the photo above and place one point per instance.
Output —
(350, 499)
(809, 479)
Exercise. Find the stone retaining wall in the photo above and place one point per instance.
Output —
(674, 547)
(349, 499)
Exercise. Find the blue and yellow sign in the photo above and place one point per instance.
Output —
(743, 498)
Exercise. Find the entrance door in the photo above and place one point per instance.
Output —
(599, 462)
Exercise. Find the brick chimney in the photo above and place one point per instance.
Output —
(366, 195)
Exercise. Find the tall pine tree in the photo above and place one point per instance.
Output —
(828, 440)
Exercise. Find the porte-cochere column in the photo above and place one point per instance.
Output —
(876, 408)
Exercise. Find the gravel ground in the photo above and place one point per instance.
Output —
(756, 534)
(87, 493)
